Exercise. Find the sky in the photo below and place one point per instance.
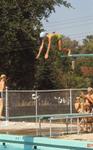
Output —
(76, 22)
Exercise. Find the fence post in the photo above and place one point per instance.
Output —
(6, 106)
(36, 105)
(36, 111)
(70, 101)
(71, 107)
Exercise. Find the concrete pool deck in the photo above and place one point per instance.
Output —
(30, 127)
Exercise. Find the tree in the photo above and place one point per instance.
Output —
(20, 25)
(86, 64)
(88, 44)
(57, 72)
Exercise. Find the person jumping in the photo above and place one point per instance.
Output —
(50, 36)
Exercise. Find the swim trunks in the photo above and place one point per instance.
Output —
(1, 94)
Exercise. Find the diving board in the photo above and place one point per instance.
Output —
(77, 55)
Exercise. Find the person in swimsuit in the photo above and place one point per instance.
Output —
(2, 87)
(89, 97)
(50, 37)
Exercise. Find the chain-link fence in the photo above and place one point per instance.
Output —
(43, 106)
(28, 102)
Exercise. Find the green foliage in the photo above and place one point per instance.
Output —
(20, 25)
(56, 72)
(88, 44)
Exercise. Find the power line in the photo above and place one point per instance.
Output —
(71, 20)
(82, 34)
(76, 24)
(78, 37)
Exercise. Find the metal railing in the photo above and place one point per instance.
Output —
(25, 142)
